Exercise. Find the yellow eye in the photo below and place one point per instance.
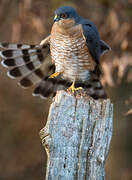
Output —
(64, 16)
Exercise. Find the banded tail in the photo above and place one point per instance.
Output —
(92, 87)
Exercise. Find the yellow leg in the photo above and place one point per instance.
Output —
(55, 74)
(72, 88)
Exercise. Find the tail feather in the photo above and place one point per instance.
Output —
(94, 87)
(49, 86)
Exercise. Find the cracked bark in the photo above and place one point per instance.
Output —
(77, 137)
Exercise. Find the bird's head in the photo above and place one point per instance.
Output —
(66, 15)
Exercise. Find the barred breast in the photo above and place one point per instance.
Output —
(70, 53)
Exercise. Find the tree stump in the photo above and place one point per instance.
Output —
(77, 137)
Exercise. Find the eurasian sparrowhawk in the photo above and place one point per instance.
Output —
(75, 48)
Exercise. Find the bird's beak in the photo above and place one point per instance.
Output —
(56, 18)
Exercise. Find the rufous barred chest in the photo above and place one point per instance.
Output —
(69, 51)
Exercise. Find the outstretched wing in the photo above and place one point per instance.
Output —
(29, 63)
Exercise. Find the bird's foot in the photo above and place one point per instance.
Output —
(55, 74)
(73, 89)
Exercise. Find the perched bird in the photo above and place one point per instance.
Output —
(75, 48)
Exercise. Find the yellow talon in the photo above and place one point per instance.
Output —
(73, 89)
(55, 74)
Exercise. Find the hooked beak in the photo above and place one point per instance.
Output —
(56, 18)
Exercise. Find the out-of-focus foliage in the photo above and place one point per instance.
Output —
(22, 116)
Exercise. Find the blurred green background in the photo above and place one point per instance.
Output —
(22, 156)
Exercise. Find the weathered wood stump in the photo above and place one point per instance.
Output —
(77, 137)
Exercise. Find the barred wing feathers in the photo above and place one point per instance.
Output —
(29, 63)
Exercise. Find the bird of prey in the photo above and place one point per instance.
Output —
(75, 48)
